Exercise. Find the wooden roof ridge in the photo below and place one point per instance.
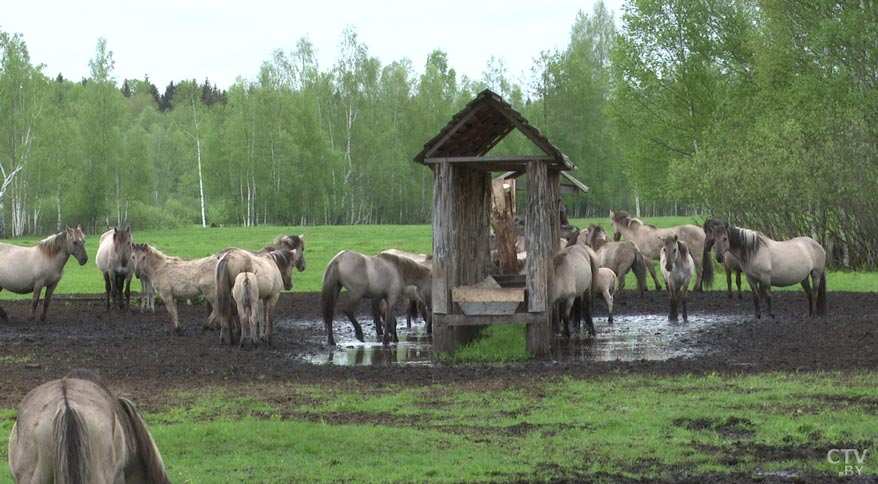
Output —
(480, 126)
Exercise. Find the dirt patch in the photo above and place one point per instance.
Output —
(139, 354)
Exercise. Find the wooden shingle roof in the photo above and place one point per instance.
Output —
(478, 128)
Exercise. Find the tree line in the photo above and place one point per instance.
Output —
(762, 112)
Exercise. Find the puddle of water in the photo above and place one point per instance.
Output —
(639, 337)
(629, 338)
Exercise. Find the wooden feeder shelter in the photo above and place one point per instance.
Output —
(462, 195)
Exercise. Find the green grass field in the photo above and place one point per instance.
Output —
(323, 242)
(548, 430)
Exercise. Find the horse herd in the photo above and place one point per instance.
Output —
(241, 287)
(236, 283)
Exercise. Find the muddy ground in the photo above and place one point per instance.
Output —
(138, 354)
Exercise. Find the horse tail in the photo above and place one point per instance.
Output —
(153, 467)
(248, 303)
(223, 291)
(329, 293)
(706, 268)
(71, 446)
(821, 296)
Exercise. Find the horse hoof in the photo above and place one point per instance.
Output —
(178, 331)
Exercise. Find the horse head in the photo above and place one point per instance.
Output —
(138, 257)
(671, 251)
(719, 236)
(76, 244)
(122, 242)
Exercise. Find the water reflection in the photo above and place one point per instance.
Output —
(633, 337)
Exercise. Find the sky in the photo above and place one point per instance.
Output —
(225, 40)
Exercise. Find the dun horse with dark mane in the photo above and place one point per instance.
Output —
(767, 262)
(74, 430)
(25, 270)
(381, 277)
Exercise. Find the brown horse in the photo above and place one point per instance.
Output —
(25, 270)
(620, 257)
(377, 278)
(273, 271)
(730, 264)
(114, 259)
(647, 239)
(74, 430)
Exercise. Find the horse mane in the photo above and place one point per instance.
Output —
(291, 242)
(408, 269)
(282, 257)
(141, 442)
(748, 241)
(53, 244)
(596, 242)
(684, 250)
(624, 218)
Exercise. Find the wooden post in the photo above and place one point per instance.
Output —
(504, 233)
(443, 271)
(541, 211)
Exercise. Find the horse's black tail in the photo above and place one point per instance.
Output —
(329, 296)
(153, 467)
(821, 296)
(224, 294)
(706, 268)
(71, 446)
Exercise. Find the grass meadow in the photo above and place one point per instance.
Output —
(543, 430)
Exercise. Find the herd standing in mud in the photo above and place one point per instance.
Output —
(241, 286)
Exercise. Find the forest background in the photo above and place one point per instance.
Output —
(762, 112)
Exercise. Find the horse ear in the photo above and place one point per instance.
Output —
(676, 238)
(302, 236)
(79, 227)
(128, 228)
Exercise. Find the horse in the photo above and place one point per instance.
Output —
(25, 270)
(76, 430)
(114, 260)
(380, 277)
(620, 257)
(273, 271)
(176, 278)
(575, 270)
(678, 269)
(767, 262)
(647, 239)
(415, 302)
(245, 292)
(729, 263)
(606, 284)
